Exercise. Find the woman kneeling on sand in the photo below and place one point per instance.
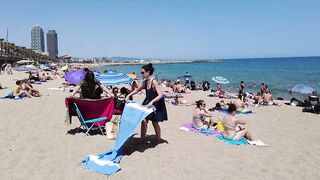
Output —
(201, 118)
(231, 128)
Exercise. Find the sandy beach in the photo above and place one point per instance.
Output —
(35, 143)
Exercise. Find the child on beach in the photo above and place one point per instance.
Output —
(154, 98)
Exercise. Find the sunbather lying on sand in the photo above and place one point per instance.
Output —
(232, 130)
(180, 88)
(240, 105)
(201, 118)
(28, 87)
(180, 101)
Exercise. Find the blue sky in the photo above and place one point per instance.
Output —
(172, 29)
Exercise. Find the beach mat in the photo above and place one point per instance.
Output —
(242, 141)
(189, 127)
(108, 161)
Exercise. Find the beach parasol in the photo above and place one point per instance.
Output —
(23, 68)
(187, 75)
(64, 68)
(25, 62)
(220, 79)
(75, 76)
(133, 76)
(301, 88)
(44, 65)
(31, 66)
(113, 79)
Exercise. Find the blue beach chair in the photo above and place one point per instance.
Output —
(90, 124)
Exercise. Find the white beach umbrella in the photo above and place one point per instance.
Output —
(25, 62)
(301, 88)
(220, 79)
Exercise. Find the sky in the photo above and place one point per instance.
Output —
(169, 29)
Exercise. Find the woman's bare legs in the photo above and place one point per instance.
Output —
(243, 133)
(144, 126)
(157, 130)
(207, 121)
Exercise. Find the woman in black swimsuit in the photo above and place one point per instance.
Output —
(154, 98)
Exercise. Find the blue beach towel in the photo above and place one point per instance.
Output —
(231, 141)
(108, 161)
(11, 96)
(238, 112)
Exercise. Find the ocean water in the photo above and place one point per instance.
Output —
(278, 73)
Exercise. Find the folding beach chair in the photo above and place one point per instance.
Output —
(91, 124)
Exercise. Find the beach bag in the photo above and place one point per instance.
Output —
(219, 126)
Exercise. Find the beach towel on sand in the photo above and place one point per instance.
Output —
(243, 141)
(231, 141)
(238, 112)
(90, 108)
(108, 161)
(11, 96)
(189, 127)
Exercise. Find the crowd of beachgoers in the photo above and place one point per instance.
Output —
(201, 107)
(157, 93)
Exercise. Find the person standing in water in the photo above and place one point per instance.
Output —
(241, 90)
(154, 98)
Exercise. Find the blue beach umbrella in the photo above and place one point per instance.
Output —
(301, 88)
(23, 68)
(75, 76)
(220, 79)
(187, 75)
(44, 65)
(28, 69)
(113, 79)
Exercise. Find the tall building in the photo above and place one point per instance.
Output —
(52, 43)
(37, 38)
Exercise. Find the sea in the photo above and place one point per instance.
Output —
(279, 74)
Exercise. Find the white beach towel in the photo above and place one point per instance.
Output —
(258, 142)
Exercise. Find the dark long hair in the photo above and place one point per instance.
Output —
(199, 103)
(148, 68)
(89, 81)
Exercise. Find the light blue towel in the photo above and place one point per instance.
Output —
(231, 141)
(108, 162)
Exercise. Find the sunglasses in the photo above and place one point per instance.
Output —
(142, 72)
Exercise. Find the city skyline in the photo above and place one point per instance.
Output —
(172, 29)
